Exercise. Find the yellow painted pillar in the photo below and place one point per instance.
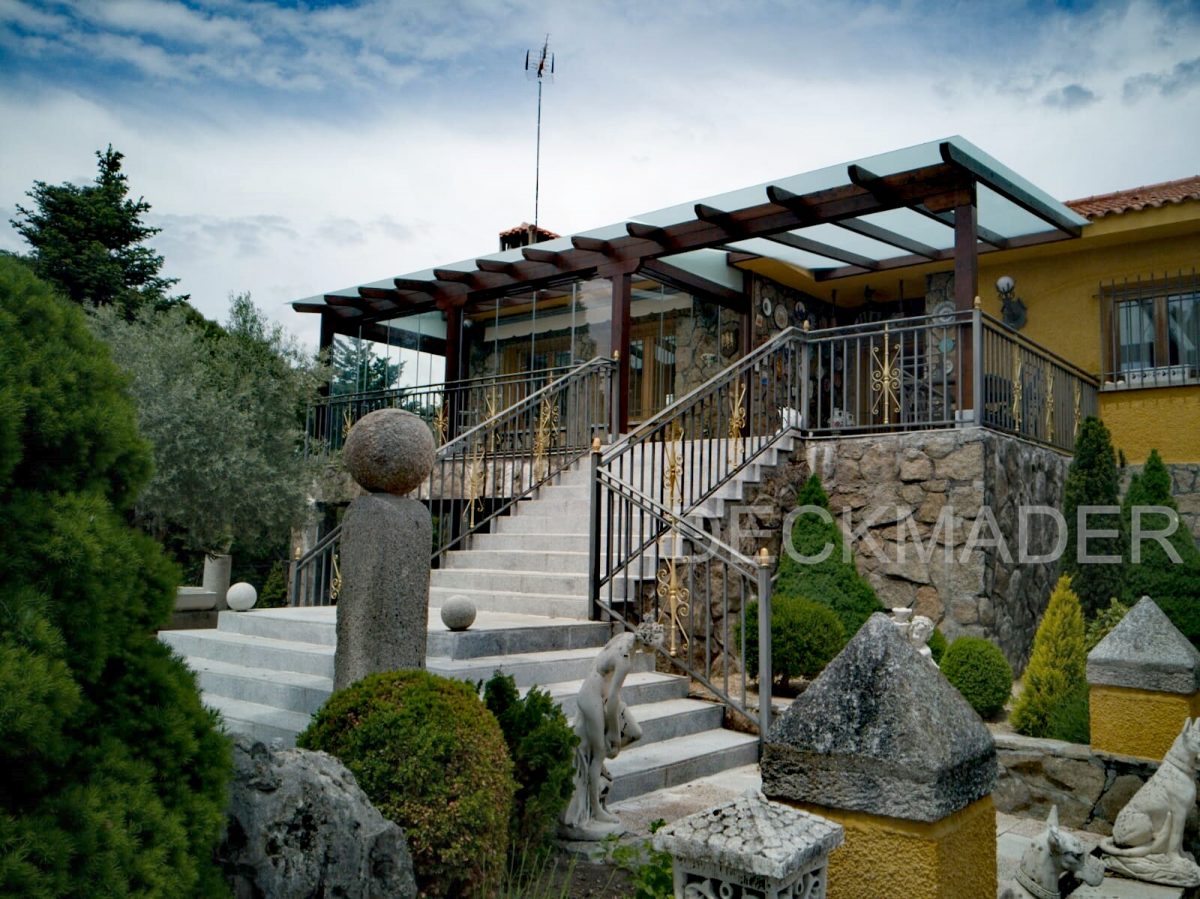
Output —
(882, 744)
(1143, 683)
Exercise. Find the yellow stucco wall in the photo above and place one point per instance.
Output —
(1162, 418)
(883, 858)
(1138, 722)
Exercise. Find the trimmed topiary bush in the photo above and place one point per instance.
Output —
(832, 582)
(937, 645)
(1057, 667)
(1070, 720)
(115, 773)
(805, 636)
(432, 758)
(542, 745)
(979, 671)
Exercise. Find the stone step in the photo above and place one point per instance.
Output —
(547, 604)
(254, 651)
(534, 582)
(529, 542)
(555, 560)
(640, 689)
(260, 722)
(287, 690)
(308, 625)
(528, 669)
(647, 766)
(487, 639)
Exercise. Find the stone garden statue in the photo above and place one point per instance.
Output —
(1047, 858)
(919, 632)
(604, 726)
(383, 606)
(1147, 838)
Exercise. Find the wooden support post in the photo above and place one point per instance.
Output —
(453, 395)
(325, 342)
(966, 288)
(622, 297)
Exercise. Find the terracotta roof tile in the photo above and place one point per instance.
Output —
(1151, 195)
(525, 227)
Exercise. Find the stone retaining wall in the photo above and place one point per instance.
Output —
(1185, 485)
(1089, 787)
(938, 487)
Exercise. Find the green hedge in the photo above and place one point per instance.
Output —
(979, 671)
(804, 637)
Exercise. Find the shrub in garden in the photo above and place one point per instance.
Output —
(1092, 480)
(115, 774)
(1070, 720)
(542, 746)
(937, 645)
(805, 636)
(979, 671)
(831, 582)
(1056, 671)
(432, 758)
(1105, 620)
(1174, 586)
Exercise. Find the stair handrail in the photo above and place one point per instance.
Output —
(319, 562)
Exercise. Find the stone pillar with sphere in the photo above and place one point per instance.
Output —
(387, 538)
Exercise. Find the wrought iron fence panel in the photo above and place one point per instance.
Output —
(316, 577)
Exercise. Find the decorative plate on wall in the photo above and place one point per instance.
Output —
(767, 306)
(781, 316)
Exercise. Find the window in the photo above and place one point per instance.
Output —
(1151, 332)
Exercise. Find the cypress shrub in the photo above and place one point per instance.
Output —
(979, 671)
(122, 772)
(1174, 586)
(542, 746)
(805, 636)
(432, 758)
(831, 582)
(1092, 480)
(1056, 671)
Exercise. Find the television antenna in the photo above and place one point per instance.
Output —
(538, 66)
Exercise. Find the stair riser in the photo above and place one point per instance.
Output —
(209, 646)
(263, 733)
(520, 604)
(668, 727)
(637, 694)
(530, 542)
(278, 629)
(292, 697)
(472, 644)
(626, 786)
(510, 581)
(557, 561)
(531, 673)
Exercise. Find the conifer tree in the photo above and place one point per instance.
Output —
(833, 582)
(1057, 668)
(1092, 481)
(114, 774)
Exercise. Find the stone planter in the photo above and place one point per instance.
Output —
(194, 599)
(216, 577)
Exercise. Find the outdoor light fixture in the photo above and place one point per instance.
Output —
(1013, 309)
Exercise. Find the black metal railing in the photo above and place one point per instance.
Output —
(482, 473)
(448, 408)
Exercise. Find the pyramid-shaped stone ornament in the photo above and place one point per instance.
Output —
(881, 731)
(1145, 651)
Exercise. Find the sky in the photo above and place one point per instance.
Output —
(291, 148)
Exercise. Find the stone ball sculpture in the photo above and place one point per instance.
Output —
(389, 451)
(458, 613)
(241, 597)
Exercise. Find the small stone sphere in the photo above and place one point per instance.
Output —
(458, 613)
(241, 596)
(389, 451)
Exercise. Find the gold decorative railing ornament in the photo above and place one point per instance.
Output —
(1078, 408)
(476, 482)
(885, 378)
(544, 436)
(441, 424)
(737, 421)
(347, 424)
(491, 405)
(1018, 389)
(1048, 378)
(673, 466)
(676, 602)
(335, 584)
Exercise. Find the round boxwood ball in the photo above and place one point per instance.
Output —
(979, 670)
(432, 758)
(458, 613)
(389, 451)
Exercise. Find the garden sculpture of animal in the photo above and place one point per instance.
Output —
(1047, 858)
(1147, 837)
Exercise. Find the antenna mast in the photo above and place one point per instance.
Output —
(542, 67)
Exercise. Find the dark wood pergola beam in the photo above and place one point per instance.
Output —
(681, 279)
(823, 249)
(884, 235)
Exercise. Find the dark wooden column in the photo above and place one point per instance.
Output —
(325, 344)
(966, 288)
(622, 298)
(454, 342)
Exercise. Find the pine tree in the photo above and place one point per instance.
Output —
(89, 241)
(833, 582)
(1174, 586)
(356, 368)
(1092, 481)
(120, 773)
(1057, 667)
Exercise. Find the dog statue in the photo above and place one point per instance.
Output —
(1147, 838)
(1055, 852)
